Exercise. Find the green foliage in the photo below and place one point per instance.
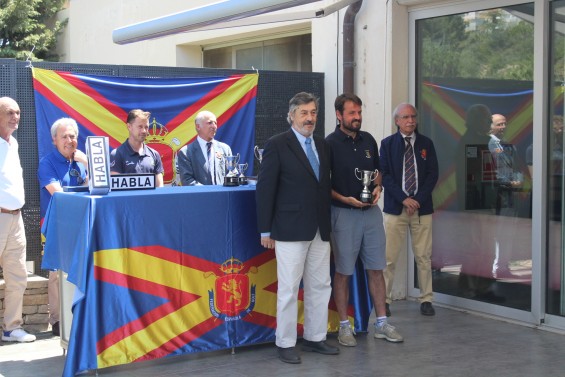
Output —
(493, 45)
(27, 25)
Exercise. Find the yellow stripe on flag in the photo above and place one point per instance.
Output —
(82, 103)
(218, 105)
(158, 271)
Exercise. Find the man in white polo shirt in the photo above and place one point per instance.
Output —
(12, 234)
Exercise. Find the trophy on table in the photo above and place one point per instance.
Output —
(258, 153)
(366, 177)
(242, 177)
(232, 176)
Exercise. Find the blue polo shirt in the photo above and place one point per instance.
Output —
(125, 160)
(56, 168)
(346, 154)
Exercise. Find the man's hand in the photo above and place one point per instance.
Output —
(411, 205)
(267, 242)
(376, 195)
(80, 157)
(354, 202)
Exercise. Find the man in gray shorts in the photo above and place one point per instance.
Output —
(357, 227)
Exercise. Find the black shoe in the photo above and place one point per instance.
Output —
(387, 305)
(426, 308)
(320, 347)
(55, 329)
(289, 355)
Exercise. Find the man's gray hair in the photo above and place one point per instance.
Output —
(63, 122)
(400, 106)
(301, 98)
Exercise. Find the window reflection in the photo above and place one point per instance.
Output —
(555, 283)
(470, 67)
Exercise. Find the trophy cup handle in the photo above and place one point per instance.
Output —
(374, 175)
(359, 177)
(258, 152)
(236, 159)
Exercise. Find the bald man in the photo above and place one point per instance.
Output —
(203, 162)
(12, 234)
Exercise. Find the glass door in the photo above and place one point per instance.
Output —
(555, 176)
(474, 92)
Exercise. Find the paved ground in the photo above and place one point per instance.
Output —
(452, 343)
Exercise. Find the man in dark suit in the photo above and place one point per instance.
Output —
(293, 214)
(203, 161)
(410, 172)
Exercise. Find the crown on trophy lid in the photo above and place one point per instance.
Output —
(157, 132)
(232, 265)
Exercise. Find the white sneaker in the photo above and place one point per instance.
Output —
(345, 337)
(388, 332)
(17, 335)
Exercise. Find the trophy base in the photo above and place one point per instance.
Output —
(231, 181)
(367, 198)
(242, 181)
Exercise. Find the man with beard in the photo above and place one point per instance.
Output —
(357, 226)
(293, 217)
(134, 156)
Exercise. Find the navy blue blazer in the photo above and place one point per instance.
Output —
(291, 203)
(392, 161)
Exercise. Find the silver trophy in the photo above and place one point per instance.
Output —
(242, 177)
(258, 153)
(366, 177)
(232, 176)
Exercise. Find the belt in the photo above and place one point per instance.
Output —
(366, 208)
(10, 211)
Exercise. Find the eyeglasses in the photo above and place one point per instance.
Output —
(404, 117)
(76, 173)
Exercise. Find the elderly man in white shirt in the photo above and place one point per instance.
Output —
(12, 234)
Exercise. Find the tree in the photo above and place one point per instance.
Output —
(441, 38)
(492, 44)
(27, 25)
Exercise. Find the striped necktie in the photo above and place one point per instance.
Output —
(211, 165)
(409, 168)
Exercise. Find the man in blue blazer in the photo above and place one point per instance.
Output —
(293, 217)
(410, 172)
(203, 161)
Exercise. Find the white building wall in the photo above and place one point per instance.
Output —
(381, 51)
(88, 39)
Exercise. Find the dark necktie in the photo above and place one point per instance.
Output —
(312, 157)
(211, 165)
(409, 168)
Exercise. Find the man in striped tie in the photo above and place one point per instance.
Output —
(410, 172)
(203, 162)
